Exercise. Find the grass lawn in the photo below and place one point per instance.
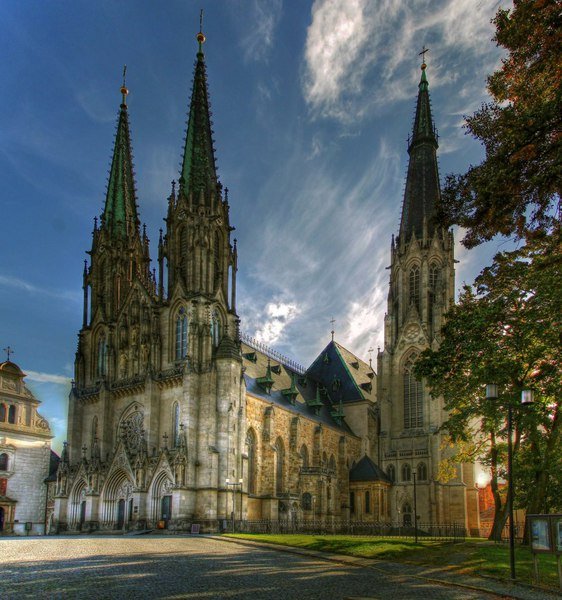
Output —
(476, 557)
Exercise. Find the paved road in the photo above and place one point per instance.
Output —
(192, 567)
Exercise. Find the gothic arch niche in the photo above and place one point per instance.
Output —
(304, 456)
(407, 514)
(279, 466)
(251, 451)
(100, 354)
(115, 496)
(77, 498)
(161, 487)
(183, 252)
(217, 253)
(94, 432)
(412, 394)
(176, 429)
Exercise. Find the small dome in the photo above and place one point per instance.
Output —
(11, 368)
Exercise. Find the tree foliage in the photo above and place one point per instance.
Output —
(516, 189)
(506, 330)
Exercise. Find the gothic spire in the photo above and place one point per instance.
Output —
(120, 211)
(422, 191)
(198, 171)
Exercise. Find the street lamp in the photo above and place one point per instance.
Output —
(414, 473)
(526, 400)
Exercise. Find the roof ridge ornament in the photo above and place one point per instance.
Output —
(200, 37)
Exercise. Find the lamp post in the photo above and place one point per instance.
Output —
(526, 400)
(414, 473)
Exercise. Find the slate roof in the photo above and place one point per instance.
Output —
(367, 470)
(343, 374)
(285, 378)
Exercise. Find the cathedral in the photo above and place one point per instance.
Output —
(177, 420)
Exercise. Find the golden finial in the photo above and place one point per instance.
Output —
(124, 90)
(201, 36)
(422, 54)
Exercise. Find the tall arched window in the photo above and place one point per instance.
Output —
(367, 502)
(406, 472)
(4, 462)
(304, 456)
(101, 365)
(12, 414)
(176, 424)
(181, 334)
(183, 251)
(413, 396)
(252, 461)
(306, 501)
(433, 275)
(2, 412)
(332, 464)
(414, 287)
(421, 472)
(215, 328)
(279, 466)
(391, 473)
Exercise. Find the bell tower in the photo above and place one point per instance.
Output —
(197, 251)
(421, 291)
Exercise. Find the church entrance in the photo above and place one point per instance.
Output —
(166, 508)
(82, 513)
(120, 514)
(2, 513)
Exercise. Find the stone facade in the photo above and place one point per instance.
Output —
(176, 420)
(25, 452)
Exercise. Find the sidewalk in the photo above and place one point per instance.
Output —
(505, 589)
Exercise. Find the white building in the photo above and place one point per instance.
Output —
(25, 452)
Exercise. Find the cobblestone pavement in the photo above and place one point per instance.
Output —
(193, 567)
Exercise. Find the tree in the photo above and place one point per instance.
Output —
(516, 189)
(506, 330)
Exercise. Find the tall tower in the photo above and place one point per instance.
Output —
(421, 291)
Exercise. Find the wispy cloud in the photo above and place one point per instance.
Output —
(321, 255)
(262, 18)
(353, 45)
(30, 288)
(47, 378)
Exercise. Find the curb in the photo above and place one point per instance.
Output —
(371, 563)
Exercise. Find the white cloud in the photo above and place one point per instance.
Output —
(20, 284)
(261, 20)
(353, 45)
(47, 378)
(322, 254)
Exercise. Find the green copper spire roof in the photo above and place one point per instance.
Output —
(120, 212)
(198, 168)
(422, 183)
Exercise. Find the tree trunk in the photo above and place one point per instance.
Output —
(500, 512)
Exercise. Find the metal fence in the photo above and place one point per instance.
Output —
(425, 531)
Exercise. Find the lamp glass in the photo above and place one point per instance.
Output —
(491, 391)
(527, 397)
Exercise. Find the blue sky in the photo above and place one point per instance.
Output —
(312, 105)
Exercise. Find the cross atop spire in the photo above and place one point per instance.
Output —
(422, 54)
(8, 352)
(332, 321)
(124, 90)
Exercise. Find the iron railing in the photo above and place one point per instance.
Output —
(426, 531)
